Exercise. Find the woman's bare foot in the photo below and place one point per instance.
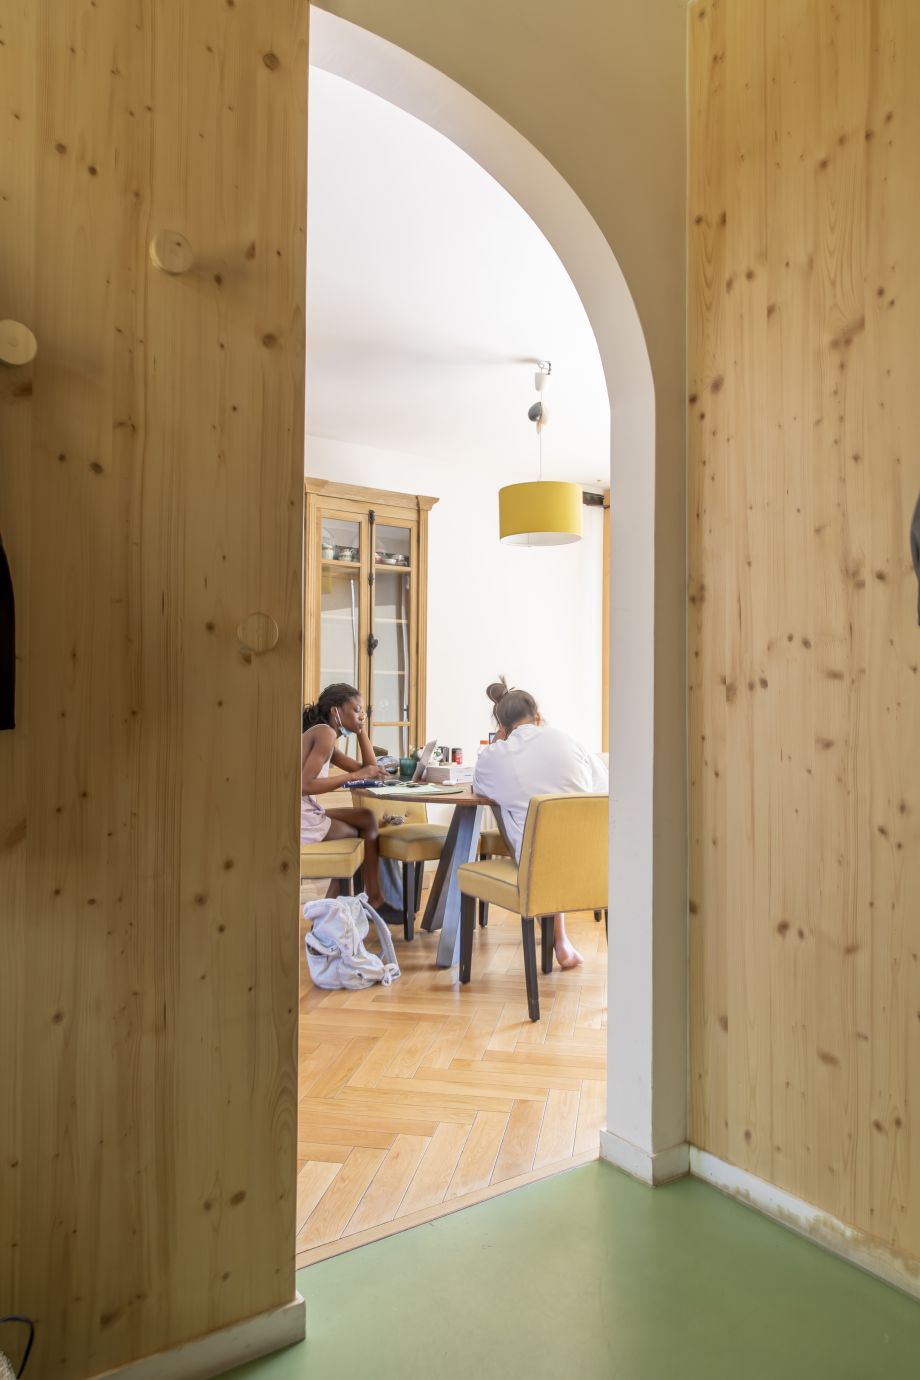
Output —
(566, 955)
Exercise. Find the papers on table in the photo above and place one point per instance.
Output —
(424, 789)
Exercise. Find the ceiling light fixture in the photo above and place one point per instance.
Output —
(543, 512)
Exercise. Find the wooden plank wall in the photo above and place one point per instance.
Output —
(804, 647)
(151, 498)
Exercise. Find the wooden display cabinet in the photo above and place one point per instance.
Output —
(366, 603)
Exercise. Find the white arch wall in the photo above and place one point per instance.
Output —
(648, 964)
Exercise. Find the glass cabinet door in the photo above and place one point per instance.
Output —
(365, 605)
(391, 663)
(340, 601)
(339, 627)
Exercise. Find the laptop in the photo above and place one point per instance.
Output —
(424, 758)
(418, 776)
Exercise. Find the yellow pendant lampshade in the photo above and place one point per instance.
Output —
(545, 512)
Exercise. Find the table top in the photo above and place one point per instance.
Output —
(462, 796)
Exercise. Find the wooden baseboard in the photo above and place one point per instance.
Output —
(835, 1235)
(217, 1352)
(652, 1167)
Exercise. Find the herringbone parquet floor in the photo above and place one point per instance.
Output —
(424, 1097)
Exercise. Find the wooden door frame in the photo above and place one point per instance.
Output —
(605, 630)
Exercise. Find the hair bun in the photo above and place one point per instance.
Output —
(497, 690)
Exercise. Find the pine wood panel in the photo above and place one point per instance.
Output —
(804, 646)
(443, 1119)
(151, 495)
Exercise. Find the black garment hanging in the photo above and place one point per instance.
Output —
(7, 645)
(915, 550)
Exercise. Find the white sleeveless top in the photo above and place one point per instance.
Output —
(314, 822)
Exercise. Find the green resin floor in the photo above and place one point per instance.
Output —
(592, 1275)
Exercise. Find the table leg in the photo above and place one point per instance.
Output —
(465, 849)
(434, 910)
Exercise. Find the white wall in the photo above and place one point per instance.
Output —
(531, 614)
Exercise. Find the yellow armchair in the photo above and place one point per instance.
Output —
(491, 845)
(337, 859)
(563, 867)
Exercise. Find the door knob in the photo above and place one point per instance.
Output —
(171, 252)
(258, 633)
(17, 343)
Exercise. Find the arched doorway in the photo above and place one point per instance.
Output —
(647, 953)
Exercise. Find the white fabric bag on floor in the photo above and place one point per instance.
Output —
(336, 955)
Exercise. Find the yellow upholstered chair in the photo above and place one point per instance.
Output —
(337, 859)
(412, 843)
(491, 845)
(563, 867)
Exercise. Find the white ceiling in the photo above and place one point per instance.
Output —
(431, 295)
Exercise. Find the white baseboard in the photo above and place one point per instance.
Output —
(204, 1357)
(652, 1167)
(809, 1221)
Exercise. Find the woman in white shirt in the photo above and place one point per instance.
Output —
(530, 758)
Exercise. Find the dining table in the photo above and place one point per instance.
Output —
(442, 911)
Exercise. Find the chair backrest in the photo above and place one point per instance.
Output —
(563, 863)
(412, 811)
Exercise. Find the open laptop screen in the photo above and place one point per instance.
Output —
(424, 758)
